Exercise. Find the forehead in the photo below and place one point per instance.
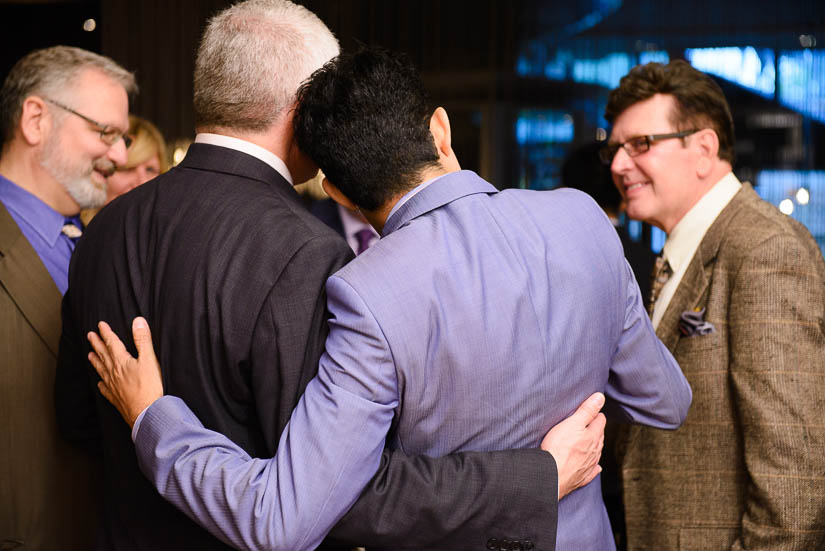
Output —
(99, 97)
(650, 116)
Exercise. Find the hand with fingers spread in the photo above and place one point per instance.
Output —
(130, 384)
(576, 444)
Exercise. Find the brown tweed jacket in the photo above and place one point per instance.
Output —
(747, 469)
(48, 490)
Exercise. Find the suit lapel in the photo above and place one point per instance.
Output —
(28, 283)
(694, 285)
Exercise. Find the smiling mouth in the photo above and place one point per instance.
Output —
(637, 185)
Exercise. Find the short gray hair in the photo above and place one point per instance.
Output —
(252, 58)
(48, 72)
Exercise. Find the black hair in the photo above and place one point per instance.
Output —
(364, 119)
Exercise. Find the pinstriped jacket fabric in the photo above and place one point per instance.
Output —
(47, 489)
(747, 469)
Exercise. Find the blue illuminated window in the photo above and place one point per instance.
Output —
(605, 71)
(798, 193)
(657, 239)
(802, 82)
(754, 69)
(653, 57)
(544, 126)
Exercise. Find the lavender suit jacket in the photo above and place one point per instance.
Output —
(478, 321)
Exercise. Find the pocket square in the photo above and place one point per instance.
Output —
(691, 323)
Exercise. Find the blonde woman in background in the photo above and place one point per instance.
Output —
(147, 158)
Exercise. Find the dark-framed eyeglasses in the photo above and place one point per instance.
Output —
(639, 144)
(108, 134)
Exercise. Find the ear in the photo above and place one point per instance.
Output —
(336, 195)
(440, 129)
(707, 143)
(34, 120)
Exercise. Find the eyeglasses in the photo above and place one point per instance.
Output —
(108, 135)
(638, 145)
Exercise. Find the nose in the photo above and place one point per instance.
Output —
(622, 162)
(117, 153)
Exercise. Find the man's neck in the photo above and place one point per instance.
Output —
(378, 218)
(25, 172)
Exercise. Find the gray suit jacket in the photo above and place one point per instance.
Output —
(48, 491)
(747, 470)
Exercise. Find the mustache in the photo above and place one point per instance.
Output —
(105, 167)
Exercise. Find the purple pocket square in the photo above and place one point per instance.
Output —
(691, 324)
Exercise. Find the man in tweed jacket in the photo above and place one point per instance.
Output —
(742, 312)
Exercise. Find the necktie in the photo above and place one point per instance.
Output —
(364, 237)
(72, 228)
(658, 277)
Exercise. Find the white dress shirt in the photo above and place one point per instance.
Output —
(249, 148)
(684, 240)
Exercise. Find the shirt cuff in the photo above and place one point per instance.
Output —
(136, 426)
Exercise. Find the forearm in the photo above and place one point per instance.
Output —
(286, 502)
(645, 384)
(459, 501)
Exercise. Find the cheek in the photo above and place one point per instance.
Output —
(119, 183)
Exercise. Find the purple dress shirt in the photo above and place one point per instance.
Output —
(42, 226)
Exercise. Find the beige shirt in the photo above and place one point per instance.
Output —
(686, 236)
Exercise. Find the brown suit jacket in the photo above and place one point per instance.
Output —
(47, 489)
(747, 469)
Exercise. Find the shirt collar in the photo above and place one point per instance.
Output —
(412, 193)
(686, 236)
(43, 219)
(246, 147)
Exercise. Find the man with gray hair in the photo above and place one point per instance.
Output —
(63, 114)
(223, 259)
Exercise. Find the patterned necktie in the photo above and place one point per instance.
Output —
(72, 228)
(658, 277)
(364, 237)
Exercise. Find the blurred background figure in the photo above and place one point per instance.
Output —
(147, 157)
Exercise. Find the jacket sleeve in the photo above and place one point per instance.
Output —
(777, 352)
(74, 396)
(460, 501)
(327, 455)
(645, 382)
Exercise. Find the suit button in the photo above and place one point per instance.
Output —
(492, 544)
(516, 546)
(527, 545)
(504, 545)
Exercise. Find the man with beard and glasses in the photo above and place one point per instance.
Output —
(63, 114)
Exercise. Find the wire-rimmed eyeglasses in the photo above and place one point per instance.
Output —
(108, 134)
(639, 144)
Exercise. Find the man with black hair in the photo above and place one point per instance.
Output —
(478, 321)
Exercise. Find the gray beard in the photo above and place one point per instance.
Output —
(77, 181)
